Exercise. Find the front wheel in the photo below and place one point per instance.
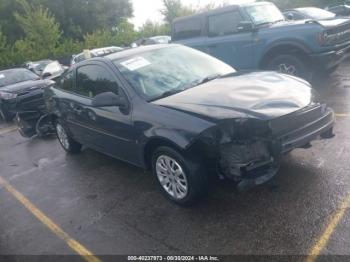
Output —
(68, 143)
(290, 65)
(182, 180)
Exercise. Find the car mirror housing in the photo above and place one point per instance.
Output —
(290, 16)
(245, 26)
(109, 99)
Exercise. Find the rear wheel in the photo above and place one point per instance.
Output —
(291, 65)
(182, 180)
(68, 143)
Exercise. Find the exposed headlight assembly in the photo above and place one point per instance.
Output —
(7, 96)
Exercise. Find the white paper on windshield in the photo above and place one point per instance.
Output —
(135, 63)
(2, 76)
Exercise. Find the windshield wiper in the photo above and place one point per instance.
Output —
(193, 84)
(168, 93)
(203, 80)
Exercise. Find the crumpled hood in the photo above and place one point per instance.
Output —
(261, 95)
(25, 86)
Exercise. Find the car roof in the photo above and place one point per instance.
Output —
(97, 50)
(138, 50)
(220, 10)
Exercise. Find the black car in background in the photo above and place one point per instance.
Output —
(340, 10)
(19, 85)
(305, 13)
(184, 114)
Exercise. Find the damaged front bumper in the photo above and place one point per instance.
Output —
(255, 162)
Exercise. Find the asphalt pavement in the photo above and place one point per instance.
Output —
(112, 208)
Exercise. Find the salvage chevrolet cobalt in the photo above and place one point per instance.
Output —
(183, 114)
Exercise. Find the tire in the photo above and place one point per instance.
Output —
(66, 141)
(188, 177)
(290, 64)
(7, 116)
(24, 128)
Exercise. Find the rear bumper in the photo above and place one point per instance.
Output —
(331, 59)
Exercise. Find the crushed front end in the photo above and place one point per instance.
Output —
(249, 151)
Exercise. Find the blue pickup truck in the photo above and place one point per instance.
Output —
(257, 36)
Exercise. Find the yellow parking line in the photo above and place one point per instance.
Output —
(6, 130)
(73, 244)
(324, 239)
(342, 115)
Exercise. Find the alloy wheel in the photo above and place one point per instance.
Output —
(287, 69)
(172, 177)
(62, 136)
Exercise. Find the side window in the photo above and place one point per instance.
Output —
(66, 82)
(188, 28)
(224, 24)
(93, 80)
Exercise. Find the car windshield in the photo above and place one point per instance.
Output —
(162, 72)
(316, 13)
(264, 14)
(11, 77)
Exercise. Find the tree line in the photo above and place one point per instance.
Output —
(39, 29)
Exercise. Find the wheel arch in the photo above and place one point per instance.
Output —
(283, 48)
(152, 144)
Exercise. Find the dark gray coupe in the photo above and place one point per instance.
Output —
(184, 114)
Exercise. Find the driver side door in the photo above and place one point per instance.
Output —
(106, 129)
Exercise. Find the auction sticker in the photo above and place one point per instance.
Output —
(135, 63)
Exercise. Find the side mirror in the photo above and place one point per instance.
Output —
(245, 26)
(290, 16)
(109, 99)
(47, 75)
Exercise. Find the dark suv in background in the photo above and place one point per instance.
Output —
(257, 36)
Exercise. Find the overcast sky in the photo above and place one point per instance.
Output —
(149, 9)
